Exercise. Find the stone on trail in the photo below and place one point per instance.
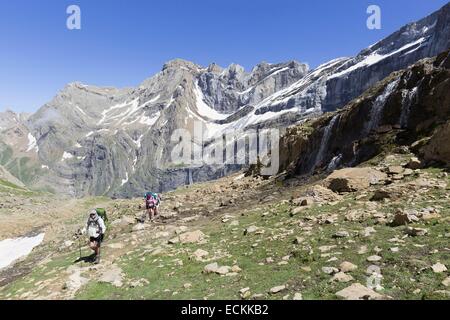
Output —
(277, 289)
(76, 281)
(112, 275)
(439, 268)
(358, 292)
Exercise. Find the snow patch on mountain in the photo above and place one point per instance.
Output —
(32, 143)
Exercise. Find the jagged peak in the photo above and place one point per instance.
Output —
(180, 63)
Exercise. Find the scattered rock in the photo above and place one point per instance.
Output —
(277, 289)
(416, 232)
(367, 232)
(341, 234)
(403, 217)
(374, 258)
(446, 282)
(211, 268)
(414, 163)
(236, 269)
(353, 179)
(112, 275)
(191, 237)
(342, 277)
(296, 211)
(297, 296)
(215, 268)
(347, 267)
(251, 229)
(199, 254)
(358, 292)
(298, 240)
(439, 267)
(395, 170)
(330, 270)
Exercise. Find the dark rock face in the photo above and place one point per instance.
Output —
(411, 104)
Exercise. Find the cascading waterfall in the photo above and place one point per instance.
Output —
(378, 106)
(190, 180)
(324, 143)
(334, 162)
(409, 96)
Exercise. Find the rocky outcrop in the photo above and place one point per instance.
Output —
(354, 179)
(402, 110)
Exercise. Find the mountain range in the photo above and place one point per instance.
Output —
(91, 140)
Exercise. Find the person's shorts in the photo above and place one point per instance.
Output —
(99, 239)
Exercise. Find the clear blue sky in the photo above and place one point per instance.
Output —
(123, 42)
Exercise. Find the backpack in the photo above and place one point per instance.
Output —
(93, 228)
(151, 199)
(102, 213)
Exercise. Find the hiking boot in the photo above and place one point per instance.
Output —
(97, 259)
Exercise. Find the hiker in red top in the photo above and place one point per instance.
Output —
(152, 201)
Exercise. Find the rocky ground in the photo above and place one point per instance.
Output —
(379, 231)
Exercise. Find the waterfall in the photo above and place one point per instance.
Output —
(378, 106)
(409, 96)
(190, 177)
(325, 140)
(334, 162)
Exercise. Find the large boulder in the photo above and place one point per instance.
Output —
(353, 179)
(438, 148)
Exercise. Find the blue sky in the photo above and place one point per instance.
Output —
(123, 42)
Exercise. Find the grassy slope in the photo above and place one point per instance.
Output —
(404, 272)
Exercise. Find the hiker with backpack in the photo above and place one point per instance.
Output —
(152, 202)
(95, 229)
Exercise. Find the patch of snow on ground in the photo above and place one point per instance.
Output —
(13, 249)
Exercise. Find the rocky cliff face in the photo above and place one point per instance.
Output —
(409, 109)
(117, 142)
